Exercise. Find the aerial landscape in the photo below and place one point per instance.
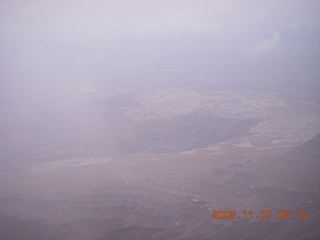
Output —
(143, 120)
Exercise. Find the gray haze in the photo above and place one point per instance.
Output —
(56, 47)
(136, 119)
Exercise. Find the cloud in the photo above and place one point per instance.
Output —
(265, 45)
(47, 39)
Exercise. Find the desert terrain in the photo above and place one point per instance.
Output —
(155, 165)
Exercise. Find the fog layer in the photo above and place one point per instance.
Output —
(49, 48)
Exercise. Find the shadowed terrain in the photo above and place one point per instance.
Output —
(158, 174)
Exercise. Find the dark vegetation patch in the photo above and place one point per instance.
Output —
(98, 128)
(185, 133)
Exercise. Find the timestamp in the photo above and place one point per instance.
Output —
(263, 214)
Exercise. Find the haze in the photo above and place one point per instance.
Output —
(138, 119)
(126, 45)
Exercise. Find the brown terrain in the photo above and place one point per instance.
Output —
(154, 165)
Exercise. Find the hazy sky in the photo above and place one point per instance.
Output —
(62, 43)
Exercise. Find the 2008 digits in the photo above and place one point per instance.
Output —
(264, 214)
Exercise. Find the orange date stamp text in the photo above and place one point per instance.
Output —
(263, 214)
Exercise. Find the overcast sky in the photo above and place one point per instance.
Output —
(61, 43)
